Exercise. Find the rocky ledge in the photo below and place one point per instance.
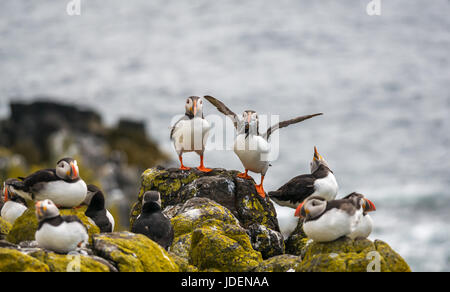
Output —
(220, 224)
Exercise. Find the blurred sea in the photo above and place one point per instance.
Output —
(383, 83)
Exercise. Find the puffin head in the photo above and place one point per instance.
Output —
(194, 106)
(152, 199)
(67, 169)
(95, 198)
(311, 208)
(250, 122)
(360, 201)
(46, 210)
(317, 161)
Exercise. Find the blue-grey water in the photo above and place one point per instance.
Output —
(383, 83)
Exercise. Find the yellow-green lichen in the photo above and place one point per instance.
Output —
(12, 260)
(69, 263)
(133, 253)
(5, 227)
(281, 263)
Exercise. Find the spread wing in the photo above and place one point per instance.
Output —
(287, 123)
(221, 107)
(45, 175)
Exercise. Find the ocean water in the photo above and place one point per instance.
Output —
(382, 82)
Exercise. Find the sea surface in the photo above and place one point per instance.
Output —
(382, 82)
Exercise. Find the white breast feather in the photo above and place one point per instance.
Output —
(191, 135)
(64, 194)
(251, 152)
(326, 187)
(286, 219)
(62, 238)
(12, 210)
(363, 229)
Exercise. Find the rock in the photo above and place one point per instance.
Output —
(255, 214)
(281, 263)
(5, 228)
(297, 240)
(346, 255)
(25, 227)
(211, 238)
(12, 260)
(133, 253)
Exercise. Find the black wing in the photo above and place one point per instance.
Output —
(295, 191)
(287, 123)
(45, 175)
(221, 107)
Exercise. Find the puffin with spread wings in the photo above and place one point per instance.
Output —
(251, 147)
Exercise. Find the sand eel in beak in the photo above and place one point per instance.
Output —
(191, 132)
(152, 222)
(365, 226)
(62, 185)
(61, 234)
(14, 205)
(96, 210)
(327, 221)
(250, 146)
(320, 183)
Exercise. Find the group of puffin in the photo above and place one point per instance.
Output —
(312, 196)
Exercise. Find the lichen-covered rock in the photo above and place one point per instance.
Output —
(133, 253)
(210, 237)
(25, 226)
(224, 187)
(265, 240)
(69, 263)
(346, 255)
(281, 263)
(5, 228)
(12, 260)
(183, 263)
(297, 240)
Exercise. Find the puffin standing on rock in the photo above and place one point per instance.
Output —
(250, 146)
(14, 205)
(152, 222)
(61, 234)
(190, 133)
(327, 221)
(96, 210)
(320, 183)
(62, 185)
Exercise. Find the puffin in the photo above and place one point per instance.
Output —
(365, 226)
(152, 222)
(61, 234)
(14, 205)
(250, 146)
(326, 221)
(96, 210)
(320, 183)
(191, 132)
(62, 185)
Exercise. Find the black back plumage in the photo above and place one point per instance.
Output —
(154, 224)
(58, 220)
(300, 187)
(97, 212)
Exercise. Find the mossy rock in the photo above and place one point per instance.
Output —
(25, 227)
(209, 236)
(12, 260)
(5, 228)
(265, 240)
(346, 255)
(183, 263)
(67, 263)
(133, 253)
(281, 263)
(237, 195)
(297, 241)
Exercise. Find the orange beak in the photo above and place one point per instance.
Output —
(298, 211)
(195, 107)
(74, 171)
(369, 206)
(249, 118)
(5, 193)
(38, 208)
(316, 154)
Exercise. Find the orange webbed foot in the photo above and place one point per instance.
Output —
(244, 175)
(204, 169)
(260, 190)
(184, 168)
